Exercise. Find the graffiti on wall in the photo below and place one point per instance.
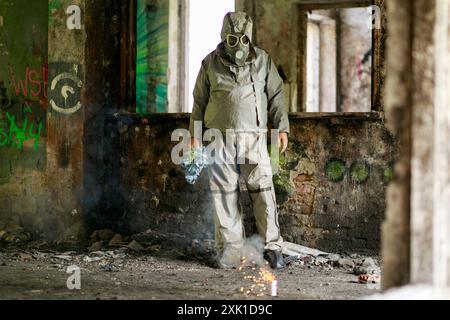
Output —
(23, 80)
(74, 20)
(32, 85)
(65, 87)
(358, 172)
(15, 135)
(362, 66)
(335, 170)
(54, 6)
(152, 56)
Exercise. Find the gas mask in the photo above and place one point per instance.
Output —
(237, 48)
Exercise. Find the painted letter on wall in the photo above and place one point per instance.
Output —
(74, 20)
(65, 87)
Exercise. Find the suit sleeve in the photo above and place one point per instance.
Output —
(201, 98)
(278, 115)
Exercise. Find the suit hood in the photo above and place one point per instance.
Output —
(237, 22)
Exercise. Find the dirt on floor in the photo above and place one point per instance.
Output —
(121, 274)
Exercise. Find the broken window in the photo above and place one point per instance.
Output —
(204, 34)
(335, 59)
(152, 56)
(173, 37)
(338, 60)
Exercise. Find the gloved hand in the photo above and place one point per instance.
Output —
(194, 163)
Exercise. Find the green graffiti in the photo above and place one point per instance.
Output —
(152, 56)
(359, 171)
(335, 170)
(15, 136)
(388, 174)
(53, 7)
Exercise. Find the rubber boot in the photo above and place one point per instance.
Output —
(275, 259)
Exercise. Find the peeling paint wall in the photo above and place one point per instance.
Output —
(144, 189)
(43, 197)
(23, 111)
(23, 81)
(333, 182)
(96, 167)
(66, 59)
(330, 190)
(64, 174)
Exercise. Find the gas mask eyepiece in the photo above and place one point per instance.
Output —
(234, 40)
(237, 48)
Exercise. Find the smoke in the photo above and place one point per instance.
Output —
(247, 255)
(253, 250)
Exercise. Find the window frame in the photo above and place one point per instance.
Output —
(377, 49)
(178, 95)
(127, 74)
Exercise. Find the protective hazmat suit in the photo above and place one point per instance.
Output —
(238, 90)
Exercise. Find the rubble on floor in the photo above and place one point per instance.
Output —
(117, 274)
(364, 267)
(109, 250)
(357, 265)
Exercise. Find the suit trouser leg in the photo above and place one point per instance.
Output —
(258, 177)
(227, 212)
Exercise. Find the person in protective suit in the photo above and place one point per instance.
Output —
(238, 88)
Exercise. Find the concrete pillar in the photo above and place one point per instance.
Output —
(422, 92)
(416, 233)
(65, 116)
(430, 193)
(441, 172)
(86, 58)
(396, 227)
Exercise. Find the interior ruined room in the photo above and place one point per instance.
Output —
(92, 91)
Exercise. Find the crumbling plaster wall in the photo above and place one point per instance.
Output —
(330, 190)
(338, 169)
(23, 113)
(43, 196)
(42, 190)
(52, 192)
(106, 169)
(65, 121)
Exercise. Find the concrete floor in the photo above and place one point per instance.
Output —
(42, 275)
